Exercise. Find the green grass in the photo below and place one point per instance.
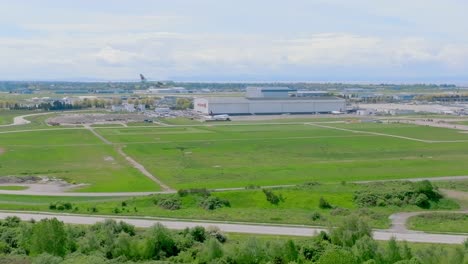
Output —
(179, 121)
(461, 185)
(239, 155)
(440, 222)
(13, 188)
(246, 206)
(462, 123)
(74, 155)
(234, 155)
(6, 116)
(407, 130)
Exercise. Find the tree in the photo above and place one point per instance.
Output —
(349, 231)
(365, 249)
(251, 252)
(337, 256)
(212, 250)
(48, 235)
(323, 204)
(159, 243)
(272, 197)
(198, 233)
(392, 253)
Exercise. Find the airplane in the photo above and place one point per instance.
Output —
(218, 118)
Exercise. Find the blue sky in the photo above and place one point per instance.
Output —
(223, 40)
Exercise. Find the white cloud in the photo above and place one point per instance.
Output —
(165, 54)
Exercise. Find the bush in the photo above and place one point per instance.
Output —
(169, 203)
(397, 194)
(422, 201)
(215, 232)
(198, 233)
(323, 204)
(340, 211)
(184, 192)
(60, 206)
(315, 216)
(46, 258)
(272, 197)
(212, 203)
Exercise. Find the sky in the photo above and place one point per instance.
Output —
(399, 41)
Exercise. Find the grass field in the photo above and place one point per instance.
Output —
(231, 154)
(12, 187)
(6, 116)
(440, 222)
(75, 155)
(239, 155)
(454, 185)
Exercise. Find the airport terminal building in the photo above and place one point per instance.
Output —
(269, 100)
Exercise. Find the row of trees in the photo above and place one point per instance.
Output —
(78, 104)
(52, 242)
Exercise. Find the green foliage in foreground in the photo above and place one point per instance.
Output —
(50, 241)
(440, 222)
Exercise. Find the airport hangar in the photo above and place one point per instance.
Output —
(270, 100)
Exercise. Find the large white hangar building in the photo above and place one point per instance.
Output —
(269, 100)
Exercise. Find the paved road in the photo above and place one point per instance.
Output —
(237, 228)
(399, 220)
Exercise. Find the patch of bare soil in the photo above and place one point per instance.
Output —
(39, 184)
(2, 150)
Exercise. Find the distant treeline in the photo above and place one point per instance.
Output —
(17, 86)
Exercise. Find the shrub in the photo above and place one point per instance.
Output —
(422, 201)
(116, 210)
(397, 194)
(215, 232)
(212, 203)
(323, 204)
(311, 184)
(67, 206)
(202, 192)
(60, 206)
(272, 197)
(169, 203)
(340, 211)
(124, 203)
(198, 233)
(315, 216)
(252, 186)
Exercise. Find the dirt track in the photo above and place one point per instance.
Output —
(133, 162)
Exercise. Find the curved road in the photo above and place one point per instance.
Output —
(20, 120)
(263, 229)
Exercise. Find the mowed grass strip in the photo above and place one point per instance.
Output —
(407, 130)
(12, 187)
(73, 155)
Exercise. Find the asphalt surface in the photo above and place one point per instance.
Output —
(261, 229)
